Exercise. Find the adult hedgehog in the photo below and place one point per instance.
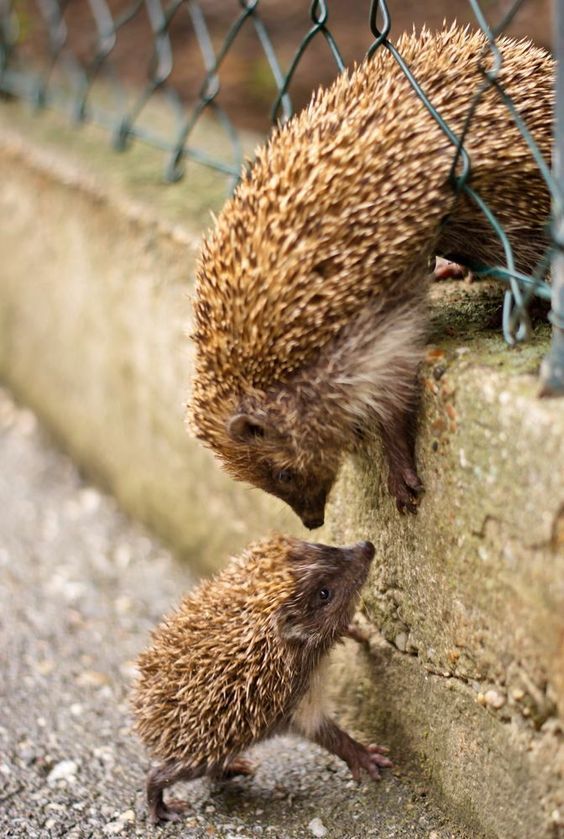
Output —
(311, 291)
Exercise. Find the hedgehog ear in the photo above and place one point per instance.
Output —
(290, 626)
(246, 428)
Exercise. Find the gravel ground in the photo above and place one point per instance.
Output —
(80, 587)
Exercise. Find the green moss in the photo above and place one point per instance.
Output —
(137, 173)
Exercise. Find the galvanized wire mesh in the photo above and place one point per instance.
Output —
(66, 78)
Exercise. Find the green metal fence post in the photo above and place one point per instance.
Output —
(552, 369)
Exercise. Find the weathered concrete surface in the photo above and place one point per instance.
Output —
(472, 589)
(94, 315)
(469, 595)
(81, 587)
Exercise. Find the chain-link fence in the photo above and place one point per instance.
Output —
(62, 54)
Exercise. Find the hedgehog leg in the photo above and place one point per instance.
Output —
(398, 437)
(164, 776)
(356, 756)
(357, 633)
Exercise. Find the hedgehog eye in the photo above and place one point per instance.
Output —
(285, 476)
(324, 594)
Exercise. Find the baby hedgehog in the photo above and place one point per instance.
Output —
(310, 310)
(242, 659)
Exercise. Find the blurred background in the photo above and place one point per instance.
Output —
(247, 84)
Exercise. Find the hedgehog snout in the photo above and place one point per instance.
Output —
(363, 550)
(312, 513)
(367, 550)
(312, 522)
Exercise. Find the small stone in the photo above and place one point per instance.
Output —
(122, 556)
(494, 699)
(45, 667)
(401, 641)
(518, 694)
(27, 422)
(28, 754)
(123, 604)
(113, 828)
(91, 678)
(65, 770)
(89, 500)
(105, 755)
(76, 709)
(317, 828)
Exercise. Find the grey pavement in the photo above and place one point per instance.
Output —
(80, 588)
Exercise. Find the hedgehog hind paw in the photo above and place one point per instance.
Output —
(374, 760)
(172, 810)
(370, 759)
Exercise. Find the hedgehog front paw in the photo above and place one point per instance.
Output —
(370, 758)
(405, 486)
(172, 810)
(357, 633)
(445, 269)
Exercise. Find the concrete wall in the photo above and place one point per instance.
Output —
(95, 279)
(469, 596)
(465, 674)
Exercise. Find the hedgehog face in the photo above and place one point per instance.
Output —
(328, 581)
(286, 465)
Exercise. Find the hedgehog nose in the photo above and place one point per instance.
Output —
(313, 522)
(367, 549)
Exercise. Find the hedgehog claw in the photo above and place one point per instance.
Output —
(406, 488)
(169, 811)
(406, 506)
(372, 759)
